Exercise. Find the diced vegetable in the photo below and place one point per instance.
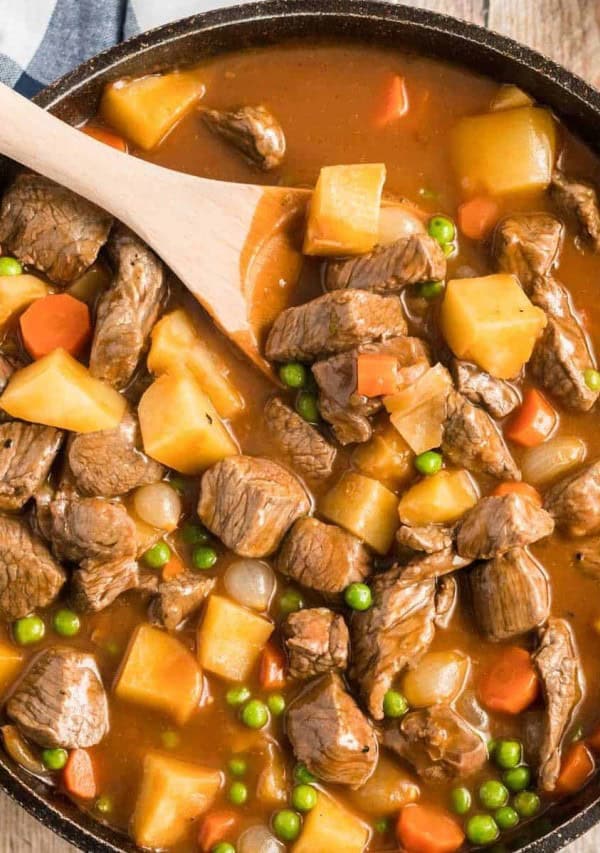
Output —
(271, 785)
(17, 292)
(344, 211)
(271, 673)
(215, 827)
(426, 829)
(376, 374)
(330, 826)
(145, 109)
(159, 672)
(397, 220)
(55, 321)
(477, 217)
(510, 684)
(250, 582)
(176, 344)
(491, 321)
(180, 426)
(102, 134)
(389, 788)
(386, 457)
(231, 638)
(419, 411)
(364, 507)
(440, 499)
(438, 677)
(173, 794)
(58, 391)
(576, 769)
(393, 101)
(533, 421)
(88, 287)
(509, 97)
(518, 488)
(10, 663)
(504, 152)
(553, 459)
(158, 504)
(79, 775)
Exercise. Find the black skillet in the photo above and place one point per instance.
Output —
(75, 98)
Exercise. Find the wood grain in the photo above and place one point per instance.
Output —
(566, 30)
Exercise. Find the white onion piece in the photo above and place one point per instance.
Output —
(258, 839)
(438, 677)
(251, 583)
(158, 505)
(396, 221)
(551, 460)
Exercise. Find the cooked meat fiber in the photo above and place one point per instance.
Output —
(333, 323)
(27, 452)
(96, 584)
(527, 245)
(30, 577)
(559, 361)
(309, 452)
(330, 734)
(323, 557)
(558, 667)
(254, 131)
(181, 596)
(127, 310)
(510, 595)
(438, 743)
(496, 525)
(61, 702)
(7, 368)
(574, 502)
(250, 503)
(426, 538)
(50, 228)
(316, 641)
(90, 529)
(496, 396)
(578, 199)
(446, 596)
(427, 566)
(387, 269)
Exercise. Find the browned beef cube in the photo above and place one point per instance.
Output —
(496, 525)
(527, 245)
(496, 396)
(309, 452)
(27, 452)
(254, 131)
(578, 199)
(574, 502)
(316, 641)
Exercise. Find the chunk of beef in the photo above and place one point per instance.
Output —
(8, 365)
(578, 199)
(498, 397)
(471, 440)
(127, 310)
(435, 565)
(559, 361)
(181, 596)
(446, 596)
(387, 269)
(425, 538)
(574, 502)
(439, 744)
(510, 594)
(558, 667)
(330, 734)
(323, 557)
(552, 297)
(27, 452)
(50, 228)
(254, 131)
(250, 503)
(527, 245)
(60, 702)
(309, 452)
(496, 525)
(110, 462)
(90, 529)
(333, 323)
(316, 641)
(96, 584)
(30, 577)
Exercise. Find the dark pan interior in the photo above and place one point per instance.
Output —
(75, 97)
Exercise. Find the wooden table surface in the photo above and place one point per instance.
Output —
(569, 32)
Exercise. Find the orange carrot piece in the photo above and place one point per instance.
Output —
(510, 684)
(376, 374)
(57, 320)
(108, 137)
(393, 102)
(576, 768)
(533, 421)
(477, 217)
(425, 829)
(79, 775)
(173, 568)
(271, 673)
(519, 488)
(215, 827)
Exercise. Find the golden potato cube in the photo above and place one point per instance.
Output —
(344, 211)
(17, 292)
(11, 661)
(364, 507)
(231, 638)
(145, 109)
(440, 499)
(173, 794)
(180, 426)
(58, 391)
(419, 411)
(491, 321)
(331, 828)
(159, 672)
(389, 788)
(175, 343)
(504, 152)
(386, 457)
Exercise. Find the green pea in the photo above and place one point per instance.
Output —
(448, 249)
(441, 229)
(237, 766)
(54, 759)
(10, 266)
(204, 557)
(394, 704)
(286, 825)
(66, 623)
(238, 793)
(157, 556)
(429, 462)
(493, 794)
(194, 534)
(358, 596)
(237, 695)
(460, 800)
(293, 374)
(290, 601)
(223, 847)
(170, 739)
(482, 829)
(526, 803)
(104, 804)
(592, 379)
(382, 825)
(29, 630)
(307, 408)
(303, 775)
(491, 747)
(276, 704)
(304, 798)
(255, 714)
(508, 754)
(517, 778)
(430, 290)
(506, 818)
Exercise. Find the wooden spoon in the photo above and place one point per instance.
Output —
(214, 236)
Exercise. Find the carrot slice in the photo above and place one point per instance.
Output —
(533, 421)
(271, 673)
(477, 217)
(523, 489)
(577, 767)
(510, 684)
(108, 137)
(393, 102)
(173, 568)
(79, 775)
(54, 321)
(425, 829)
(376, 374)
(215, 827)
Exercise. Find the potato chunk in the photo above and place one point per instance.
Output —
(491, 321)
(180, 426)
(364, 507)
(418, 412)
(11, 660)
(505, 151)
(17, 292)
(440, 499)
(231, 638)
(173, 794)
(160, 673)
(386, 457)
(146, 108)
(344, 211)
(58, 391)
(331, 827)
(176, 344)
(389, 788)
